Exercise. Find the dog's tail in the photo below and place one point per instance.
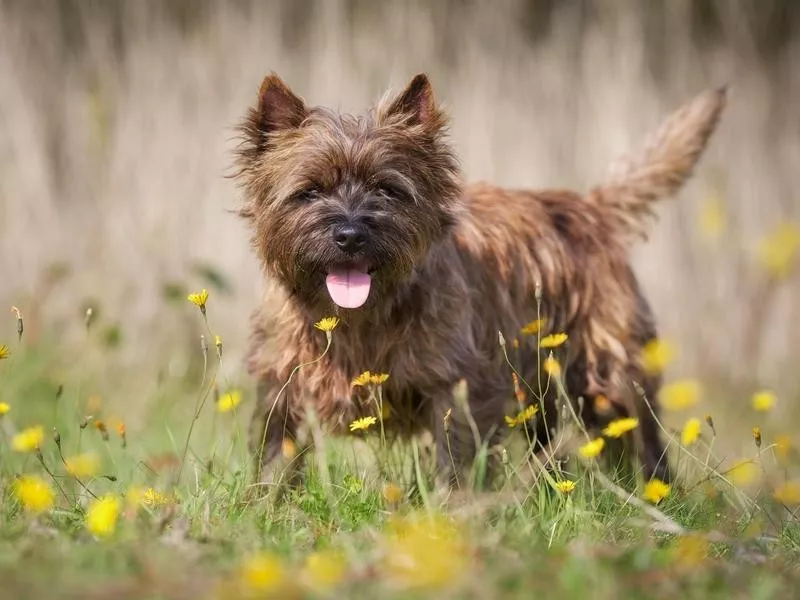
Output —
(661, 167)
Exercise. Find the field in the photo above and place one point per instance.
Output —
(124, 466)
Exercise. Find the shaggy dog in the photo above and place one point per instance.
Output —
(366, 218)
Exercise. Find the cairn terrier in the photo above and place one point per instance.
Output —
(366, 218)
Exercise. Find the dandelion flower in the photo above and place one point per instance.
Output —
(325, 569)
(199, 299)
(4, 351)
(619, 427)
(288, 448)
(153, 497)
(101, 427)
(788, 493)
(565, 487)
(28, 440)
(263, 573)
(378, 378)
(602, 404)
(425, 553)
(763, 401)
(657, 354)
(83, 465)
(554, 340)
(102, 516)
(327, 324)
(524, 415)
(593, 448)
(690, 550)
(783, 445)
(361, 380)
(777, 252)
(229, 401)
(392, 493)
(655, 491)
(34, 493)
(362, 423)
(691, 432)
(533, 327)
(712, 218)
(551, 366)
(680, 395)
(4, 408)
(742, 472)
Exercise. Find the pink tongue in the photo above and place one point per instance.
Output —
(348, 289)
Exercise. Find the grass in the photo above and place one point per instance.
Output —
(369, 520)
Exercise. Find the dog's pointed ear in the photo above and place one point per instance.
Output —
(278, 107)
(415, 102)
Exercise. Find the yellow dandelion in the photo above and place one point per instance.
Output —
(593, 448)
(102, 516)
(263, 573)
(28, 439)
(655, 491)
(680, 395)
(229, 401)
(763, 401)
(524, 415)
(619, 427)
(424, 552)
(554, 340)
(712, 218)
(690, 550)
(34, 493)
(4, 408)
(327, 324)
(4, 351)
(83, 465)
(551, 366)
(361, 380)
(362, 423)
(565, 487)
(378, 378)
(691, 432)
(324, 570)
(788, 493)
(288, 448)
(602, 404)
(199, 299)
(657, 354)
(533, 327)
(783, 445)
(153, 497)
(777, 252)
(392, 493)
(743, 472)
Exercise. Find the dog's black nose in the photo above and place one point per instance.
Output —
(350, 238)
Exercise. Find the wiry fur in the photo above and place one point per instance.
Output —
(454, 264)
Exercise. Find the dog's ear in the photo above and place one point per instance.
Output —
(278, 108)
(416, 102)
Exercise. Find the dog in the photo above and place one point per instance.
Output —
(367, 218)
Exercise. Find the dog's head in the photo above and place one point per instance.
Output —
(344, 207)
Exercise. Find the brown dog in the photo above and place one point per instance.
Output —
(366, 218)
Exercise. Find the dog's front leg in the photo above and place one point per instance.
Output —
(467, 419)
(274, 437)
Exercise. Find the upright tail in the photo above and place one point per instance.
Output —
(661, 167)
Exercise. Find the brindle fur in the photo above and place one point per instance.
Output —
(454, 264)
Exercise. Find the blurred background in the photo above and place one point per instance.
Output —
(117, 128)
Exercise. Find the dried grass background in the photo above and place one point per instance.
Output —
(116, 131)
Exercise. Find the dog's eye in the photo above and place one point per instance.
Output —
(391, 193)
(307, 195)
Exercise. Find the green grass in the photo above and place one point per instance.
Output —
(707, 539)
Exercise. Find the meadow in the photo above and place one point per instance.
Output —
(124, 407)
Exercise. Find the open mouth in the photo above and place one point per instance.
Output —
(349, 285)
